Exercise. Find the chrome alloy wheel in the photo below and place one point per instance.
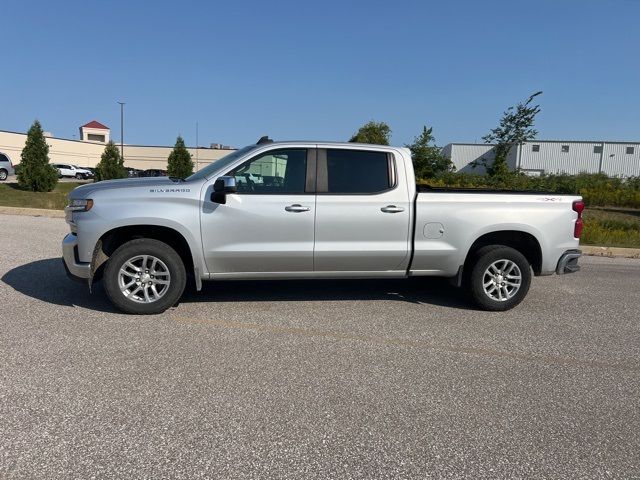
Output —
(144, 279)
(502, 280)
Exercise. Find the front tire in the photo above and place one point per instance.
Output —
(500, 278)
(145, 277)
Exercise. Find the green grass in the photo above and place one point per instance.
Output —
(611, 227)
(12, 196)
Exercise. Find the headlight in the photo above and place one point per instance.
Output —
(80, 205)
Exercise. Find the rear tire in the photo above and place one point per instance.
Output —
(3, 174)
(129, 279)
(500, 278)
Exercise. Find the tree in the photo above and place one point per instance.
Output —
(516, 127)
(373, 132)
(111, 164)
(35, 173)
(180, 163)
(428, 159)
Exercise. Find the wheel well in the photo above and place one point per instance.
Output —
(524, 242)
(110, 241)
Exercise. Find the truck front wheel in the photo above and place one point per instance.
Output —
(500, 278)
(144, 276)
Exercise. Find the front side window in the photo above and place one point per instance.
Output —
(356, 171)
(275, 172)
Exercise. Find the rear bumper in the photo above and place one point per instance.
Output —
(74, 268)
(568, 262)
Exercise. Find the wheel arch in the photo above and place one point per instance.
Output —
(114, 238)
(524, 242)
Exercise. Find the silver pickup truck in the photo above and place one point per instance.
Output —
(291, 210)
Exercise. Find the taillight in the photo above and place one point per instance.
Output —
(578, 207)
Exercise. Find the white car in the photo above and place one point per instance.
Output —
(6, 167)
(72, 171)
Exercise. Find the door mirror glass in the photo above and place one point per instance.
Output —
(225, 185)
(221, 187)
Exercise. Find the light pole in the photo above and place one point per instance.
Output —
(122, 130)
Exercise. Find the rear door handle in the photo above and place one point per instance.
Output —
(297, 208)
(392, 209)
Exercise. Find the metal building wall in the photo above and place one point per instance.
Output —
(617, 163)
(551, 159)
(462, 155)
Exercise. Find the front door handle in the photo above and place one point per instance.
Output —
(297, 208)
(392, 209)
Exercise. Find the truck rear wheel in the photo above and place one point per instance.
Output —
(500, 278)
(144, 276)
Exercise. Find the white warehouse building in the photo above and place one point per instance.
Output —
(616, 159)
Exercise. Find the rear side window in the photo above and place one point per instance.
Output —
(356, 171)
(3, 158)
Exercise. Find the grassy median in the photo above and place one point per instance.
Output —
(13, 196)
(611, 227)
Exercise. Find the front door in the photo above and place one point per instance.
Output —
(268, 225)
(362, 213)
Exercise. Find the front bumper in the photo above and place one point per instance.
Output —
(74, 268)
(568, 262)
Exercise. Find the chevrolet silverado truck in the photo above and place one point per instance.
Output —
(312, 210)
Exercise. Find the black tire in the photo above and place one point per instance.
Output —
(3, 174)
(79, 176)
(484, 258)
(145, 246)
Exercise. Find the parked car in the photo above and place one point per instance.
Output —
(6, 167)
(341, 210)
(133, 172)
(154, 172)
(72, 171)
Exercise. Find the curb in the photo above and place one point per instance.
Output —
(610, 252)
(32, 212)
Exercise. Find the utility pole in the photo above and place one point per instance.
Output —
(122, 130)
(197, 162)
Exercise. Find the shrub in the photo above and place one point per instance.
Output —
(180, 164)
(596, 189)
(111, 164)
(35, 173)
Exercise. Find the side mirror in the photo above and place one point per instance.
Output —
(221, 187)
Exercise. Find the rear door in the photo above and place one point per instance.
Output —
(362, 212)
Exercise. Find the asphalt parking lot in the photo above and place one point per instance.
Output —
(326, 379)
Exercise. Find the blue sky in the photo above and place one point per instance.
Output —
(318, 70)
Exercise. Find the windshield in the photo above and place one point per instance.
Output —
(221, 164)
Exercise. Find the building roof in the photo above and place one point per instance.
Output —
(95, 124)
